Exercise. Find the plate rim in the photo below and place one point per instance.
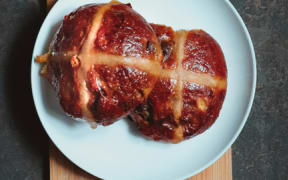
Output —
(236, 133)
(251, 98)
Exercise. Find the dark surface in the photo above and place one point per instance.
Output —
(23, 142)
(261, 151)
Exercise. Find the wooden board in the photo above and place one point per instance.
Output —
(49, 4)
(62, 169)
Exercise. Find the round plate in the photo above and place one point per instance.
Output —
(119, 151)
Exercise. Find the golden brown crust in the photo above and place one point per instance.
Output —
(104, 61)
(187, 98)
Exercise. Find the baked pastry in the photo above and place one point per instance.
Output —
(103, 62)
(106, 62)
(191, 88)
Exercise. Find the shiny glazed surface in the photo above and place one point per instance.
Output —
(105, 62)
(100, 62)
(180, 107)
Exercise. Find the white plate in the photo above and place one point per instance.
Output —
(118, 151)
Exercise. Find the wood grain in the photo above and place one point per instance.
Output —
(220, 170)
(49, 4)
(63, 169)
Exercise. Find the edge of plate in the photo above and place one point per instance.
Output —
(229, 4)
(55, 6)
(252, 94)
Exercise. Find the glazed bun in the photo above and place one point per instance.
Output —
(103, 62)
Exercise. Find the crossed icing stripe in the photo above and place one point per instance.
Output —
(92, 57)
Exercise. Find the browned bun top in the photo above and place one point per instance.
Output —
(106, 61)
(103, 61)
(188, 96)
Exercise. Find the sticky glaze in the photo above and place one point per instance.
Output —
(191, 105)
(103, 62)
(125, 33)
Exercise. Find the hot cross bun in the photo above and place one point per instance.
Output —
(189, 93)
(106, 62)
(103, 62)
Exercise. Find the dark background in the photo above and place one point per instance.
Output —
(261, 151)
